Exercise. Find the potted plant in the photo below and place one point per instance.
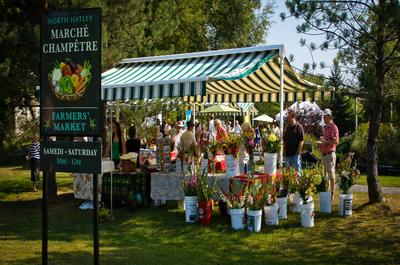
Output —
(212, 149)
(271, 207)
(285, 185)
(189, 185)
(231, 150)
(348, 176)
(205, 191)
(271, 146)
(305, 188)
(235, 200)
(322, 186)
(256, 200)
(249, 145)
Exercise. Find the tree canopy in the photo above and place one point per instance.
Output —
(131, 28)
(366, 35)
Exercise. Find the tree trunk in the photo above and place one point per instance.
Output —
(374, 189)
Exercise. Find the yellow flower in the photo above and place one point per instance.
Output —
(272, 138)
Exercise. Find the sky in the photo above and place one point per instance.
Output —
(284, 32)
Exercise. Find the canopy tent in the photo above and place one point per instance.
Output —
(233, 75)
(248, 108)
(255, 74)
(305, 107)
(264, 118)
(220, 108)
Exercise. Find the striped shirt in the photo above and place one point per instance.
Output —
(34, 150)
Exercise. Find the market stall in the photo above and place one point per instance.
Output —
(244, 75)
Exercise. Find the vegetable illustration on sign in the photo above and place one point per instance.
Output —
(69, 81)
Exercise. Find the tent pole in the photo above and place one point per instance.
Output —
(356, 112)
(282, 55)
(194, 119)
(111, 190)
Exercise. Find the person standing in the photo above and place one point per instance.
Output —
(177, 138)
(329, 141)
(237, 129)
(133, 144)
(293, 140)
(221, 133)
(187, 139)
(211, 129)
(34, 158)
(118, 142)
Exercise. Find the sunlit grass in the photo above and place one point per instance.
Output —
(159, 235)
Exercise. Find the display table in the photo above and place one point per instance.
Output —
(83, 183)
(168, 186)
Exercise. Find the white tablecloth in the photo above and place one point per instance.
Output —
(83, 183)
(168, 186)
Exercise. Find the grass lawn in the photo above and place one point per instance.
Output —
(159, 235)
(386, 181)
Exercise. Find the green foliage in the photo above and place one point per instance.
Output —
(367, 37)
(388, 142)
(162, 228)
(348, 174)
(130, 29)
(136, 112)
(205, 191)
(104, 215)
(311, 140)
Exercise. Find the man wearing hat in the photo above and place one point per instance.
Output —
(179, 131)
(329, 141)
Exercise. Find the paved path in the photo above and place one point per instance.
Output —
(387, 190)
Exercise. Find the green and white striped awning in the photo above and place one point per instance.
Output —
(234, 75)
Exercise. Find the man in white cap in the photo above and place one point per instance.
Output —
(329, 141)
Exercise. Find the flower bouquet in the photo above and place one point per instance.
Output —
(231, 145)
(189, 185)
(306, 188)
(258, 197)
(235, 201)
(271, 208)
(271, 143)
(271, 147)
(231, 150)
(348, 175)
(205, 192)
(322, 185)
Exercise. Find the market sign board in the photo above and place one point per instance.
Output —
(70, 76)
(77, 157)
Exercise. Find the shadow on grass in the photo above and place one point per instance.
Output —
(59, 258)
(159, 235)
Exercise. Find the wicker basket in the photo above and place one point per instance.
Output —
(65, 97)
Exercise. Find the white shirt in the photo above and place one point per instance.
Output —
(211, 129)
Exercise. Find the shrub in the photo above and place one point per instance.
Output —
(388, 144)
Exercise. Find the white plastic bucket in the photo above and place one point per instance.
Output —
(346, 204)
(178, 165)
(282, 207)
(237, 216)
(307, 214)
(325, 203)
(254, 220)
(232, 166)
(297, 201)
(271, 214)
(270, 163)
(191, 209)
(204, 165)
